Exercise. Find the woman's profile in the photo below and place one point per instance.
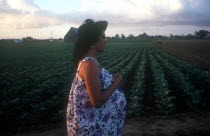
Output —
(96, 106)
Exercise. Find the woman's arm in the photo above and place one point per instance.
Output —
(90, 74)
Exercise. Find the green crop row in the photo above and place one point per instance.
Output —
(164, 100)
(138, 89)
(182, 81)
(197, 76)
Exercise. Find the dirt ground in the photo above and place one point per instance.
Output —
(193, 51)
(185, 124)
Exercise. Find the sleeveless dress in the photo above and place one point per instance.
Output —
(85, 120)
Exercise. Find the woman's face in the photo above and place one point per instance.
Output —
(100, 44)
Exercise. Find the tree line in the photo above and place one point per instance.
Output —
(201, 34)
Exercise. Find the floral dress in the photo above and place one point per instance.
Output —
(85, 120)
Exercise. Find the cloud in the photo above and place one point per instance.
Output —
(26, 5)
(23, 14)
(192, 13)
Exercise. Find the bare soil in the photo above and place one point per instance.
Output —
(185, 124)
(192, 51)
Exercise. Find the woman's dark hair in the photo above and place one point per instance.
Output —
(88, 33)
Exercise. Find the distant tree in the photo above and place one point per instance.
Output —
(108, 37)
(27, 39)
(117, 36)
(144, 35)
(130, 36)
(122, 36)
(182, 35)
(201, 33)
(189, 36)
(177, 37)
(112, 37)
(139, 36)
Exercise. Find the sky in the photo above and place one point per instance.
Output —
(43, 19)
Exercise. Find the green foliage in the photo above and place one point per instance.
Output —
(164, 100)
(183, 82)
(136, 105)
(35, 79)
(201, 33)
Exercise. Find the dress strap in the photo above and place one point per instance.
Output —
(86, 58)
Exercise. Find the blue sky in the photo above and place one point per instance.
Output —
(37, 18)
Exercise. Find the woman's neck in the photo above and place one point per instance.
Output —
(91, 54)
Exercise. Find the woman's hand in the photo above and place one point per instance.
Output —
(117, 78)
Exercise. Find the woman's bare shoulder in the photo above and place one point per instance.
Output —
(87, 66)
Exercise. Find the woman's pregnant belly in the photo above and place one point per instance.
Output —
(118, 100)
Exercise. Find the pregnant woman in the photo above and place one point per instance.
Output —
(96, 106)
